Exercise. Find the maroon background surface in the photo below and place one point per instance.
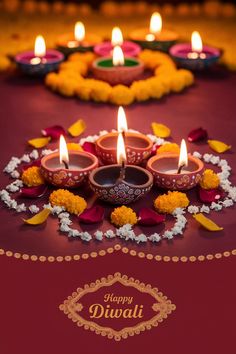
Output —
(31, 292)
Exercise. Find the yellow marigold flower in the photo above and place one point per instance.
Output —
(177, 82)
(32, 177)
(166, 148)
(187, 76)
(74, 146)
(141, 90)
(87, 57)
(52, 80)
(167, 203)
(74, 204)
(67, 87)
(123, 215)
(5, 63)
(101, 91)
(209, 180)
(84, 89)
(121, 95)
(165, 68)
(76, 66)
(156, 87)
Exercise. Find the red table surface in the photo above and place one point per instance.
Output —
(204, 292)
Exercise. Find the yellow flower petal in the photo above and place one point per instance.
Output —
(39, 218)
(77, 128)
(207, 223)
(74, 146)
(160, 130)
(218, 146)
(39, 142)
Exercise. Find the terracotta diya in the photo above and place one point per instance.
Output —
(117, 69)
(194, 56)
(154, 37)
(138, 146)
(120, 184)
(67, 170)
(176, 172)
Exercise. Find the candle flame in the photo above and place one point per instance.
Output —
(63, 151)
(122, 121)
(156, 23)
(118, 56)
(196, 42)
(183, 156)
(121, 154)
(39, 47)
(116, 37)
(79, 31)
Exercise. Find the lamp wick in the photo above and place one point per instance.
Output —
(180, 168)
(66, 165)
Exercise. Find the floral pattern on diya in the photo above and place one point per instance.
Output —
(133, 157)
(183, 182)
(64, 178)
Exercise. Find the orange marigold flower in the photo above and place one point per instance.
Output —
(209, 180)
(123, 215)
(167, 203)
(32, 177)
(74, 204)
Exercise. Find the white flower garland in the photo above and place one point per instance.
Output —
(125, 232)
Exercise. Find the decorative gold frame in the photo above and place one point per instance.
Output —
(162, 305)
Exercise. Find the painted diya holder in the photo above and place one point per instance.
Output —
(164, 171)
(138, 148)
(81, 165)
(106, 183)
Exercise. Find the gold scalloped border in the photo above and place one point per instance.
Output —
(165, 309)
(117, 248)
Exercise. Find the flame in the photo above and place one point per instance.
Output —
(155, 23)
(116, 37)
(39, 47)
(118, 56)
(79, 31)
(63, 150)
(121, 154)
(196, 42)
(122, 122)
(183, 156)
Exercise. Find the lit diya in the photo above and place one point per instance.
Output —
(194, 56)
(176, 172)
(40, 61)
(138, 146)
(154, 37)
(67, 170)
(120, 183)
(105, 49)
(117, 69)
(79, 41)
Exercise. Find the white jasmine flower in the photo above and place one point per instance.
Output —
(57, 209)
(98, 235)
(73, 233)
(25, 158)
(65, 221)
(178, 211)
(223, 163)
(63, 215)
(228, 203)
(12, 188)
(216, 206)
(15, 174)
(177, 230)
(232, 193)
(103, 132)
(197, 154)
(168, 234)
(64, 228)
(20, 208)
(193, 209)
(141, 238)
(34, 154)
(110, 234)
(47, 206)
(207, 157)
(155, 238)
(33, 209)
(205, 209)
(215, 160)
(85, 236)
(47, 152)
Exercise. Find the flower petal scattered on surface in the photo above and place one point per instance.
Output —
(160, 130)
(54, 132)
(33, 192)
(149, 217)
(207, 223)
(77, 128)
(92, 215)
(39, 143)
(197, 135)
(218, 146)
(39, 218)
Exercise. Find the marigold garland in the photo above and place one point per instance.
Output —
(123, 215)
(167, 203)
(209, 180)
(70, 80)
(32, 177)
(74, 204)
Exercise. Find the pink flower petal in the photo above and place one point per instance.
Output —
(149, 217)
(33, 192)
(92, 215)
(36, 163)
(197, 135)
(210, 195)
(89, 147)
(54, 132)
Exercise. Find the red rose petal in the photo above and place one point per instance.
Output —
(31, 164)
(197, 135)
(54, 132)
(92, 215)
(89, 147)
(210, 195)
(149, 217)
(33, 192)
(154, 149)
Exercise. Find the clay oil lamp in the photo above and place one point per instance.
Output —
(176, 172)
(120, 183)
(79, 41)
(105, 49)
(154, 37)
(138, 146)
(194, 56)
(40, 61)
(117, 69)
(67, 170)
